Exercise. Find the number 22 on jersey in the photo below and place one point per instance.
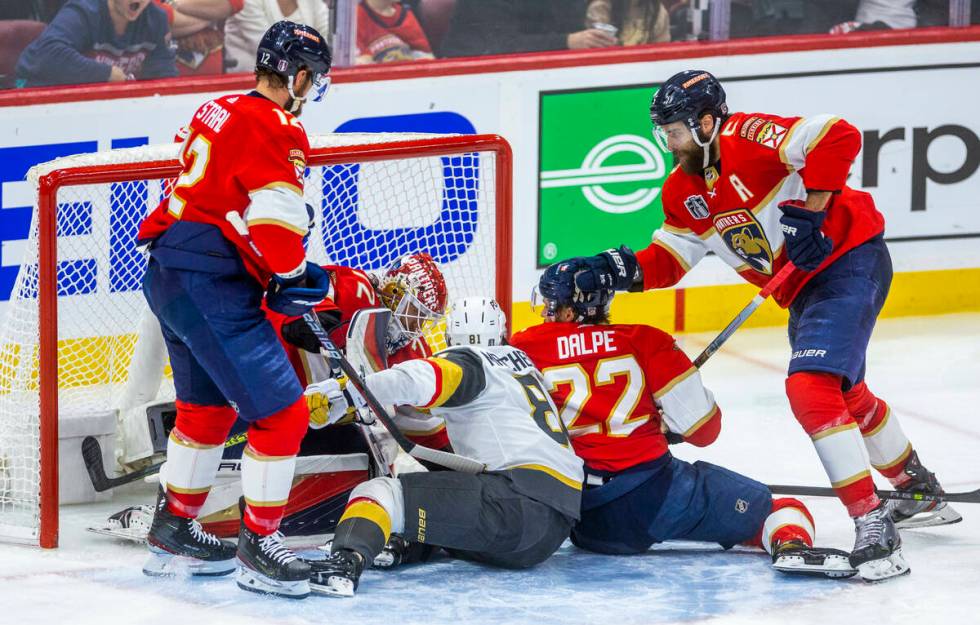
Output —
(609, 413)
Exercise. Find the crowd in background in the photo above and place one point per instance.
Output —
(57, 42)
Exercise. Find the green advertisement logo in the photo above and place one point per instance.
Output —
(601, 171)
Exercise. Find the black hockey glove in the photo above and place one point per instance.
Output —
(297, 332)
(295, 296)
(806, 246)
(613, 269)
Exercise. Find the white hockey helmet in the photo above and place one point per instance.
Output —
(476, 321)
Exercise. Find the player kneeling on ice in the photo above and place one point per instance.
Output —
(621, 388)
(518, 511)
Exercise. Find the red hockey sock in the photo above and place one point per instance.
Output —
(888, 447)
(789, 520)
(818, 405)
(193, 454)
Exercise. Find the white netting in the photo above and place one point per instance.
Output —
(367, 214)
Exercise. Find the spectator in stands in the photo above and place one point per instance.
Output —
(244, 29)
(501, 26)
(198, 32)
(761, 18)
(387, 31)
(99, 41)
(880, 15)
(636, 21)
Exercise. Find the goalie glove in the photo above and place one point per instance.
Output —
(331, 402)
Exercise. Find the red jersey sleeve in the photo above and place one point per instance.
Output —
(687, 407)
(821, 148)
(272, 174)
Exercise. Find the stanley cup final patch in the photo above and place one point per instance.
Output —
(745, 237)
(697, 206)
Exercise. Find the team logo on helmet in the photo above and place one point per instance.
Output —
(745, 237)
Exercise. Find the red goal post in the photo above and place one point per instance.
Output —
(376, 196)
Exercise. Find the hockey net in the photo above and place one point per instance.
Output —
(73, 335)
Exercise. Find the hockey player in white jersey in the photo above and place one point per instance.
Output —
(518, 511)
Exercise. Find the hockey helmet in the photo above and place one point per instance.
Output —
(557, 288)
(288, 47)
(476, 321)
(687, 96)
(414, 289)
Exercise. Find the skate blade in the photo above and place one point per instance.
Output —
(884, 568)
(932, 518)
(834, 566)
(136, 535)
(164, 564)
(334, 587)
(253, 581)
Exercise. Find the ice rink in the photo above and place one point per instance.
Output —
(927, 369)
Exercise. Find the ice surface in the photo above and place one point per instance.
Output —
(926, 368)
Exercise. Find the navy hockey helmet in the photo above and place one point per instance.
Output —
(288, 47)
(557, 288)
(687, 96)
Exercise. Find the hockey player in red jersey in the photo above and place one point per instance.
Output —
(761, 191)
(622, 390)
(244, 158)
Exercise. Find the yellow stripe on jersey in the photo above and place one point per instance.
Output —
(369, 511)
(823, 132)
(449, 375)
(277, 222)
(670, 385)
(278, 185)
(674, 253)
(787, 139)
(694, 428)
(564, 479)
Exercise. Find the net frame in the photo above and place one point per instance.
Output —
(353, 149)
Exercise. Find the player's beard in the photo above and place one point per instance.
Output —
(691, 157)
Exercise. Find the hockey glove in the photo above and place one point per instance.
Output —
(297, 332)
(330, 402)
(295, 296)
(806, 246)
(613, 269)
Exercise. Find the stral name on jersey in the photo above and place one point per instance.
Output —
(213, 115)
(585, 343)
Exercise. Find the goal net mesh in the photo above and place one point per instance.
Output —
(367, 214)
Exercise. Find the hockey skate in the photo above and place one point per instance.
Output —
(268, 567)
(178, 544)
(912, 513)
(130, 523)
(795, 557)
(877, 553)
(337, 576)
(397, 551)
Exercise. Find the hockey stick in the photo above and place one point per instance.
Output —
(92, 456)
(337, 361)
(774, 283)
(972, 496)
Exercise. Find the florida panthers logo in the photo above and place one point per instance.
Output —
(745, 237)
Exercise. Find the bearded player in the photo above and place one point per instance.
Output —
(620, 388)
(244, 157)
(513, 515)
(761, 191)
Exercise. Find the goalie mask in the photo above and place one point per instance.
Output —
(414, 289)
(476, 321)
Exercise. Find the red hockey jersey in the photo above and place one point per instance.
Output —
(616, 385)
(243, 153)
(732, 210)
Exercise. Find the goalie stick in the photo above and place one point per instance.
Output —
(972, 496)
(92, 456)
(337, 362)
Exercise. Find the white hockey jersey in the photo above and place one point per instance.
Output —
(496, 411)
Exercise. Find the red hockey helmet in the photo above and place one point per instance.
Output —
(414, 289)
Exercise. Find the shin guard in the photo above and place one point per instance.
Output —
(818, 405)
